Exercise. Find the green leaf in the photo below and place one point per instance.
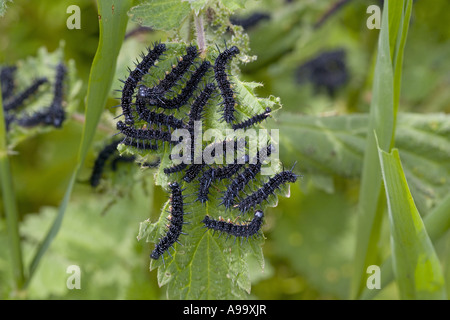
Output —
(416, 265)
(328, 145)
(198, 5)
(334, 146)
(233, 5)
(160, 14)
(249, 103)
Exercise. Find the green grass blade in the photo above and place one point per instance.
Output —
(371, 199)
(383, 117)
(437, 223)
(113, 21)
(113, 24)
(10, 205)
(395, 20)
(51, 234)
(400, 46)
(416, 265)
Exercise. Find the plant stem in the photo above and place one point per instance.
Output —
(198, 19)
(10, 206)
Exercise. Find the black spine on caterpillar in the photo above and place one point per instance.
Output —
(153, 98)
(213, 174)
(135, 76)
(224, 84)
(195, 115)
(225, 146)
(237, 230)
(210, 150)
(138, 144)
(253, 120)
(46, 116)
(175, 168)
(266, 190)
(100, 161)
(205, 182)
(198, 105)
(179, 70)
(144, 134)
(175, 226)
(56, 109)
(239, 183)
(228, 171)
(7, 81)
(31, 120)
(58, 91)
(155, 117)
(19, 99)
(192, 172)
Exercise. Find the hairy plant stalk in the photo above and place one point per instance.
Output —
(200, 33)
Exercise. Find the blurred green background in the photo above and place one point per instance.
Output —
(310, 236)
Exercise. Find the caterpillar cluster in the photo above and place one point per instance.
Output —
(150, 117)
(327, 71)
(135, 76)
(52, 115)
(109, 153)
(140, 102)
(257, 197)
(243, 179)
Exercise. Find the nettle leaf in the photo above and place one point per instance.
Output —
(163, 15)
(43, 65)
(249, 103)
(233, 5)
(198, 5)
(328, 146)
(204, 265)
